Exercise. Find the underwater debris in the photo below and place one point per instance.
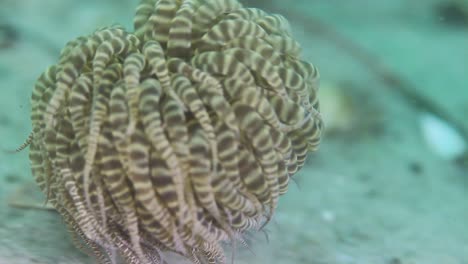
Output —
(8, 36)
(179, 136)
(416, 167)
(441, 137)
(452, 13)
(342, 109)
(394, 260)
(337, 108)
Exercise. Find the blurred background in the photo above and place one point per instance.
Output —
(389, 184)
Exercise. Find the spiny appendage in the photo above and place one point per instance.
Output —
(209, 89)
(26, 143)
(259, 140)
(116, 183)
(158, 24)
(142, 14)
(228, 30)
(207, 13)
(154, 52)
(111, 48)
(79, 107)
(98, 114)
(202, 177)
(45, 85)
(133, 66)
(176, 130)
(179, 39)
(189, 96)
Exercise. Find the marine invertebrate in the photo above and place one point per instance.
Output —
(178, 136)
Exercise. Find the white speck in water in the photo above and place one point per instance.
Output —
(328, 216)
(442, 138)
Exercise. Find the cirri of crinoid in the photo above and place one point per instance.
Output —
(177, 136)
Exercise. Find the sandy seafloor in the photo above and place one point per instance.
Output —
(374, 193)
